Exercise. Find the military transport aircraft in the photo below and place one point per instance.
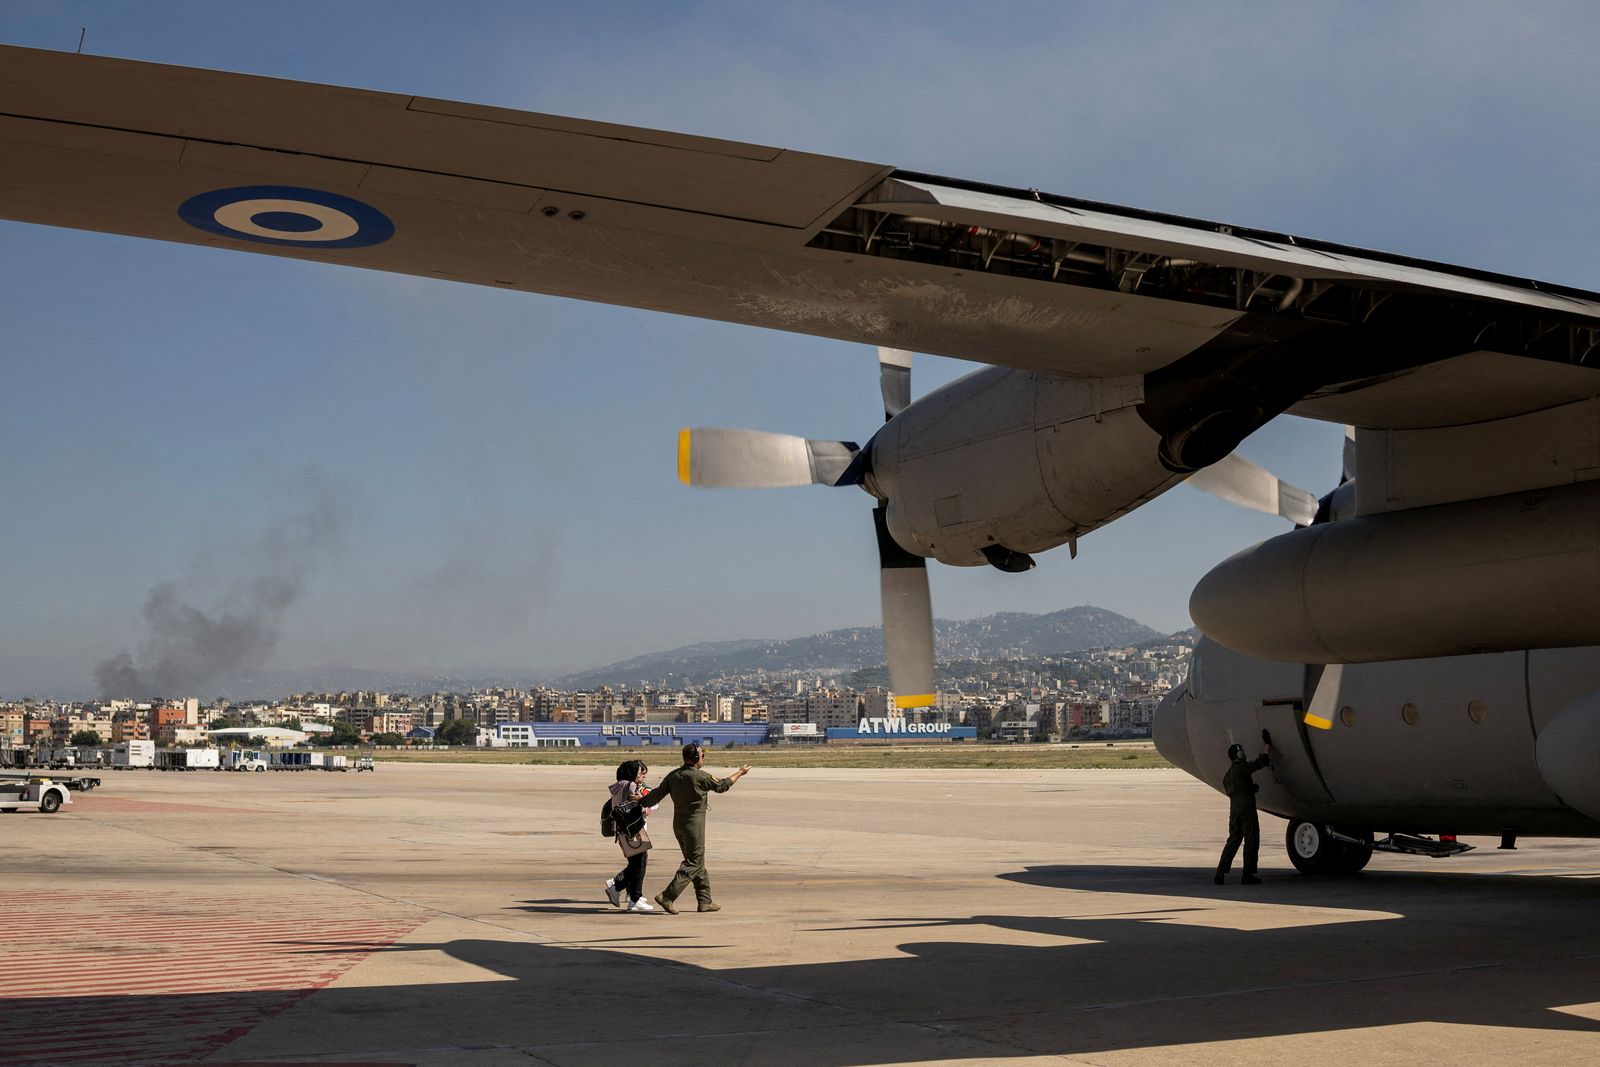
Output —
(1417, 645)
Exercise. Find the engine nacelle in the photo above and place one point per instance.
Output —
(1016, 459)
(1493, 575)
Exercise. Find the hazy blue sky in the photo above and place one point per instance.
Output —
(493, 471)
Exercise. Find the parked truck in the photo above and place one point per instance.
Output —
(243, 759)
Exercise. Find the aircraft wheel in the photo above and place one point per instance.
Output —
(1310, 848)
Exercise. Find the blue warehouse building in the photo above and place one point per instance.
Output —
(600, 734)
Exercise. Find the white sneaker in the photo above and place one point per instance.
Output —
(641, 905)
(613, 895)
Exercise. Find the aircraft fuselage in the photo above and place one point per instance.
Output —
(1482, 744)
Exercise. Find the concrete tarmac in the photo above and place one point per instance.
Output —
(452, 914)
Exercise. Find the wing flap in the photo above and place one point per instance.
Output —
(1217, 244)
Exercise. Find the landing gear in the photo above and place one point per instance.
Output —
(1315, 848)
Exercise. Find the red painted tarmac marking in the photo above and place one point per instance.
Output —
(91, 805)
(290, 939)
(95, 988)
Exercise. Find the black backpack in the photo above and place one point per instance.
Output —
(627, 818)
(608, 824)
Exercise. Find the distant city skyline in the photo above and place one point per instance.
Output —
(326, 465)
(1066, 632)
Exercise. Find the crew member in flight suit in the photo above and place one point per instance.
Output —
(690, 789)
(1242, 822)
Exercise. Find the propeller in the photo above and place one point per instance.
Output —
(752, 459)
(1238, 481)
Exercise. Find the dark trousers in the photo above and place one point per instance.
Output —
(692, 870)
(630, 879)
(1242, 826)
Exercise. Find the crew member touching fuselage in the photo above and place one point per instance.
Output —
(1243, 824)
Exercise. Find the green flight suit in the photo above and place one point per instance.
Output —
(690, 789)
(1243, 824)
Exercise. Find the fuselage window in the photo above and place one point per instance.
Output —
(1476, 710)
(1347, 715)
(1409, 713)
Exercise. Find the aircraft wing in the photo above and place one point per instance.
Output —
(787, 240)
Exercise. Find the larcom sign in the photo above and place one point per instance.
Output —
(638, 729)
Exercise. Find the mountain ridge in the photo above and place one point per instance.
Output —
(1011, 634)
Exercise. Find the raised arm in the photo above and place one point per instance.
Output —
(722, 785)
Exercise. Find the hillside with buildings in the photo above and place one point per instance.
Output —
(1008, 635)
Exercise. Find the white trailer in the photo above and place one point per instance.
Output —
(291, 759)
(126, 754)
(188, 759)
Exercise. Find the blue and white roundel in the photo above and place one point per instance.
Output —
(287, 215)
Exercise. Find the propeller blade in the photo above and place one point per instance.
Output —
(1238, 481)
(907, 619)
(751, 459)
(894, 379)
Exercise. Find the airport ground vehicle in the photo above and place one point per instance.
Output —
(243, 759)
(34, 793)
(81, 783)
(365, 764)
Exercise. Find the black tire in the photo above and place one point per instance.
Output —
(1313, 850)
(50, 803)
(1351, 859)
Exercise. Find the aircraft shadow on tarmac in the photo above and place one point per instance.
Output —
(1385, 948)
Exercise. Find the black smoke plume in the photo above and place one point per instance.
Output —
(186, 648)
